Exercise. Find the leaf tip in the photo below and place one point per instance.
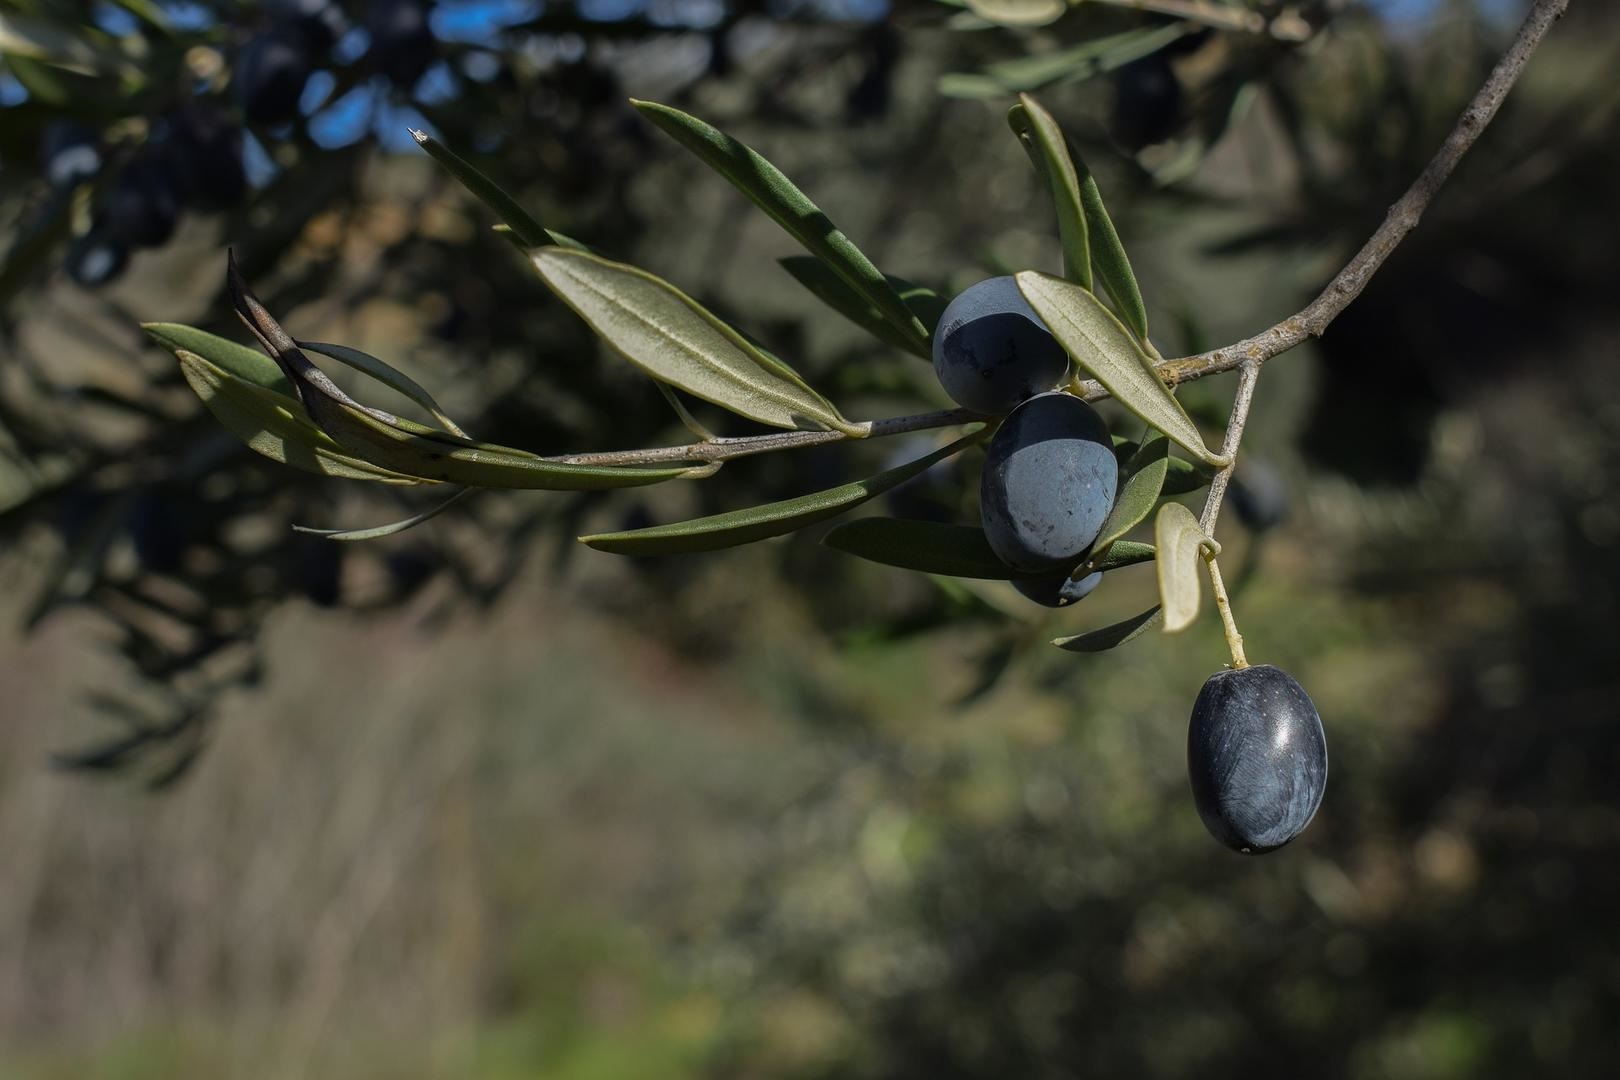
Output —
(419, 135)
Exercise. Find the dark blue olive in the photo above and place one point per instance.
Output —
(1257, 758)
(96, 258)
(1147, 103)
(1059, 590)
(69, 153)
(402, 42)
(1048, 484)
(142, 207)
(1259, 496)
(205, 158)
(991, 351)
(270, 74)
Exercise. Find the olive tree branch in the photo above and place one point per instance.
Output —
(1248, 354)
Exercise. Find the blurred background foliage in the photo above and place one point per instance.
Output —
(476, 801)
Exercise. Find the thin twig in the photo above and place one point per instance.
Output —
(726, 449)
(1248, 375)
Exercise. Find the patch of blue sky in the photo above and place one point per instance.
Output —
(351, 46)
(188, 17)
(480, 22)
(609, 10)
(345, 121)
(437, 86)
(687, 14)
(256, 161)
(114, 19)
(394, 124)
(12, 92)
(317, 89)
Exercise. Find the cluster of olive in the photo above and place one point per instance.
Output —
(192, 156)
(1256, 754)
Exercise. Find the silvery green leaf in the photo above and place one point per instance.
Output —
(275, 425)
(951, 550)
(1018, 12)
(387, 375)
(245, 363)
(832, 290)
(675, 339)
(404, 447)
(772, 519)
(789, 207)
(1049, 152)
(376, 532)
(1181, 542)
(1110, 636)
(1141, 481)
(528, 232)
(1111, 354)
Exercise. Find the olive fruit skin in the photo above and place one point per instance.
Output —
(1256, 757)
(1048, 485)
(991, 351)
(1259, 496)
(142, 207)
(1059, 590)
(270, 74)
(69, 153)
(96, 258)
(1147, 103)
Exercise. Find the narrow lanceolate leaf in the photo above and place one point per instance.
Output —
(1075, 64)
(1142, 480)
(1181, 542)
(1110, 636)
(387, 375)
(376, 532)
(1109, 263)
(925, 304)
(386, 441)
(1017, 12)
(1183, 475)
(789, 207)
(1049, 151)
(275, 425)
(1111, 354)
(675, 339)
(772, 519)
(245, 363)
(528, 231)
(951, 550)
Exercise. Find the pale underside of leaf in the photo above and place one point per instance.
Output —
(388, 375)
(275, 425)
(675, 339)
(1110, 353)
(1181, 542)
(1017, 12)
(746, 526)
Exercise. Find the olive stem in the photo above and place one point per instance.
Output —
(1223, 604)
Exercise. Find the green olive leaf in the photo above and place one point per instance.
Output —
(738, 527)
(832, 290)
(275, 425)
(1049, 152)
(790, 208)
(1108, 258)
(1181, 542)
(1017, 12)
(389, 376)
(1110, 636)
(526, 230)
(950, 550)
(675, 339)
(247, 364)
(413, 449)
(1141, 481)
(1111, 354)
(378, 531)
